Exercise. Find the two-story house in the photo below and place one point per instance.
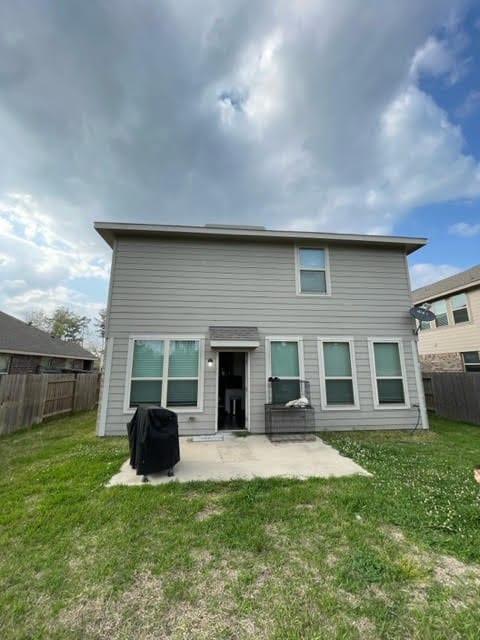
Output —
(199, 320)
(452, 341)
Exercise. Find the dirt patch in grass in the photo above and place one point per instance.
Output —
(449, 572)
(207, 512)
(179, 607)
(365, 628)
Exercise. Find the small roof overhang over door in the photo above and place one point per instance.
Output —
(234, 337)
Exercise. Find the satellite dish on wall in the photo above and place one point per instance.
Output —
(422, 314)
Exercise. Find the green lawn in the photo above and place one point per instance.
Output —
(392, 556)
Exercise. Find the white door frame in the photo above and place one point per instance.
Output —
(247, 387)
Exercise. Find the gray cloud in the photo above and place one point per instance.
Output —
(288, 114)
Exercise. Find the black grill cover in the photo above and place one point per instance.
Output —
(153, 440)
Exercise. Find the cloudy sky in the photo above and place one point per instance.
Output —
(351, 115)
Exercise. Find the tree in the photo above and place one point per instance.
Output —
(67, 325)
(38, 319)
(100, 323)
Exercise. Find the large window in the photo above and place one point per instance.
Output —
(284, 361)
(4, 363)
(388, 373)
(471, 360)
(312, 271)
(164, 371)
(337, 373)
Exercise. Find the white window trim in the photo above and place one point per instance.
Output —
(326, 270)
(450, 316)
(9, 362)
(167, 338)
(323, 386)
(467, 307)
(467, 364)
(373, 373)
(268, 359)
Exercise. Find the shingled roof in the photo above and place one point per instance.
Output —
(19, 337)
(464, 280)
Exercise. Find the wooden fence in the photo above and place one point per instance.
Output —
(27, 399)
(453, 395)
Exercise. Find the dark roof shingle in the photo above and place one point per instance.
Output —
(19, 337)
(233, 333)
(462, 280)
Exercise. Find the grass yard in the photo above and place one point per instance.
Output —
(393, 556)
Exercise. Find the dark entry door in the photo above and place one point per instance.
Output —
(231, 389)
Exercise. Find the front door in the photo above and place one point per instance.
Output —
(232, 390)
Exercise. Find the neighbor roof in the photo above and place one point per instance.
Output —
(19, 337)
(464, 280)
(112, 230)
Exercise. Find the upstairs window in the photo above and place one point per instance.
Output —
(312, 271)
(439, 308)
(471, 360)
(449, 311)
(164, 372)
(459, 308)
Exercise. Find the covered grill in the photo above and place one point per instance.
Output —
(153, 440)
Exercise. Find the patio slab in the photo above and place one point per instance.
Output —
(247, 458)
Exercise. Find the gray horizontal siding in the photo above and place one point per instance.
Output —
(168, 287)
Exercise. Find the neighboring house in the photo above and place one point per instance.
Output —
(26, 349)
(452, 341)
(199, 319)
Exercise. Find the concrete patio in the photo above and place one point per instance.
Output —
(248, 457)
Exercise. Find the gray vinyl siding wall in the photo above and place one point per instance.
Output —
(182, 286)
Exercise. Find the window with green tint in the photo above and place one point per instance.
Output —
(337, 365)
(388, 371)
(286, 367)
(180, 358)
(337, 359)
(439, 308)
(148, 359)
(183, 359)
(390, 391)
(459, 308)
(285, 359)
(387, 359)
(145, 392)
(183, 373)
(285, 390)
(339, 392)
(182, 393)
(312, 270)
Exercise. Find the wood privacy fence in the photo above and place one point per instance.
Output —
(453, 395)
(27, 399)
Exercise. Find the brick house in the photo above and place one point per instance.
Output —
(452, 341)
